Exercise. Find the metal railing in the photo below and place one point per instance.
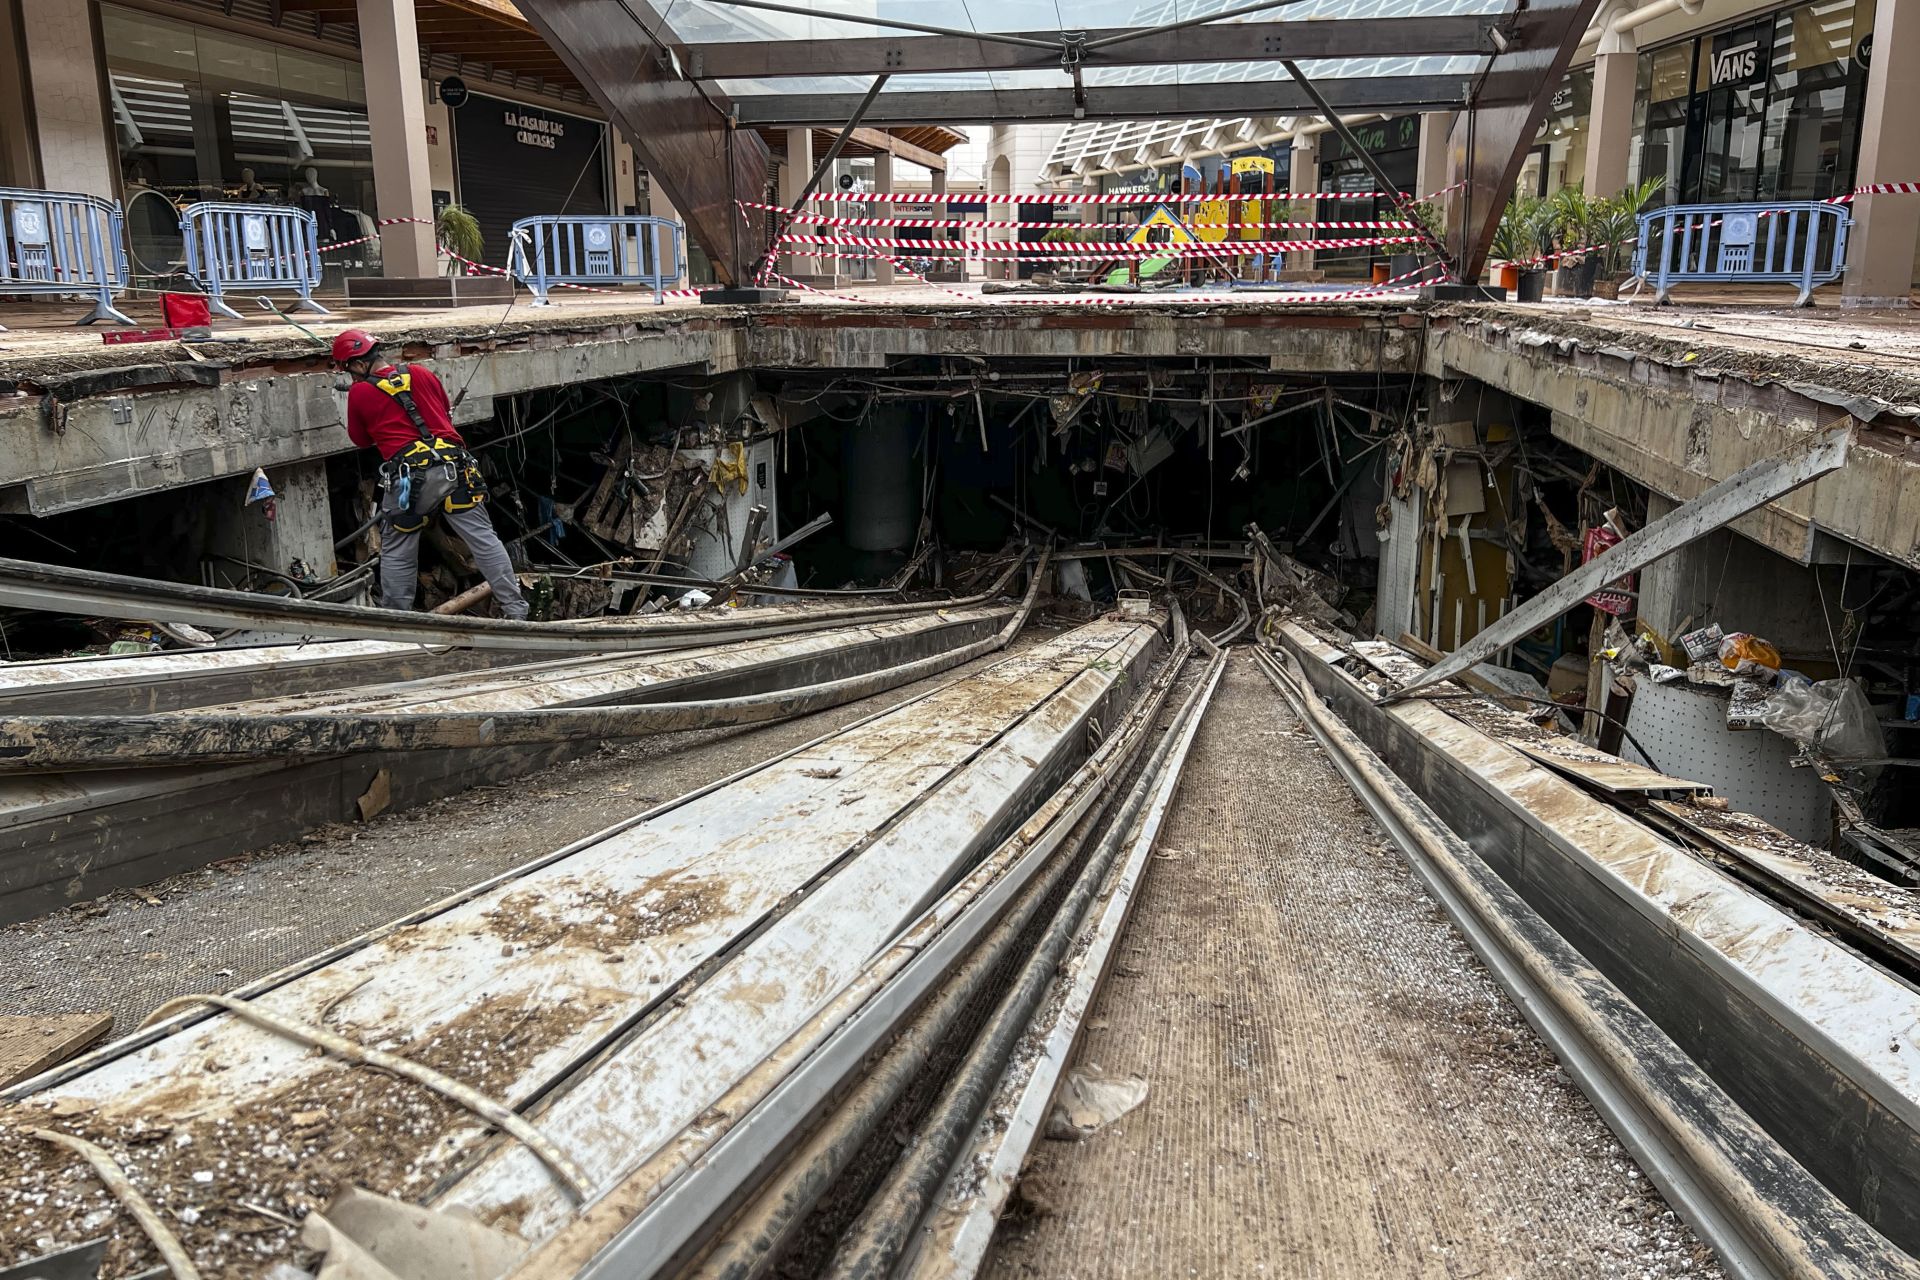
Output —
(252, 246)
(594, 250)
(63, 242)
(1802, 243)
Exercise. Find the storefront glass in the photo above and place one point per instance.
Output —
(1559, 155)
(1660, 118)
(1768, 110)
(201, 114)
(1395, 144)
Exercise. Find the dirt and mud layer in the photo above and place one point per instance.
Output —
(1336, 1087)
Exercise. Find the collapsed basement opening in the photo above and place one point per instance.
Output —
(1403, 506)
(934, 615)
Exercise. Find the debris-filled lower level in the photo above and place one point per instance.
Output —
(1360, 791)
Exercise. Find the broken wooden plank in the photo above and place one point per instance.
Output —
(32, 1044)
(1613, 776)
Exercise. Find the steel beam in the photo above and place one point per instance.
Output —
(680, 131)
(1764, 1213)
(52, 588)
(1366, 157)
(564, 710)
(1222, 42)
(1126, 102)
(1738, 494)
(1490, 142)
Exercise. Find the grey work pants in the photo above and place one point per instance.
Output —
(400, 562)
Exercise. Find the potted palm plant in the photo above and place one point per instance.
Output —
(1616, 228)
(1509, 238)
(1540, 237)
(1406, 260)
(458, 231)
(1574, 216)
(1523, 241)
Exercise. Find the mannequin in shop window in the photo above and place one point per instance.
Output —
(251, 189)
(336, 222)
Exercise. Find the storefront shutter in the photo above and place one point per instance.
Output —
(516, 161)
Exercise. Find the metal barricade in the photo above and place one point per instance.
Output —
(252, 247)
(1802, 243)
(62, 242)
(591, 250)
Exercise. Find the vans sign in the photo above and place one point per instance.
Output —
(1736, 61)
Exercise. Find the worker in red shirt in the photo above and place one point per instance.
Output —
(425, 471)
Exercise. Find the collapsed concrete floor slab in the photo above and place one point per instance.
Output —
(819, 1024)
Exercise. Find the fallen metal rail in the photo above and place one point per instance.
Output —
(610, 573)
(44, 743)
(1752, 1203)
(758, 912)
(885, 1230)
(55, 589)
(958, 1229)
(654, 1220)
(71, 835)
(1705, 1038)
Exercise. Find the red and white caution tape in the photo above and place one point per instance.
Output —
(1128, 197)
(1043, 252)
(1878, 189)
(836, 220)
(788, 280)
(378, 222)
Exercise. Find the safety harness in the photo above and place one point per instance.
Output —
(430, 474)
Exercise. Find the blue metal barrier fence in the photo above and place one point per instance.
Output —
(596, 250)
(252, 246)
(62, 242)
(1803, 243)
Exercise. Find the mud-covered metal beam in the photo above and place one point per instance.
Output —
(56, 589)
(52, 743)
(683, 132)
(1738, 494)
(1723, 1163)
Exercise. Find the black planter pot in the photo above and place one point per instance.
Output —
(1533, 286)
(1402, 265)
(1586, 273)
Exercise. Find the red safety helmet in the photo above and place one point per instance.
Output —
(353, 344)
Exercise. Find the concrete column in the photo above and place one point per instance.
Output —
(396, 116)
(793, 178)
(1881, 251)
(1436, 131)
(1303, 174)
(1610, 124)
(302, 524)
(883, 182)
(19, 158)
(71, 124)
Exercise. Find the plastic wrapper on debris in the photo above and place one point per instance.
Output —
(1746, 654)
(1832, 717)
(1090, 1100)
(1623, 651)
